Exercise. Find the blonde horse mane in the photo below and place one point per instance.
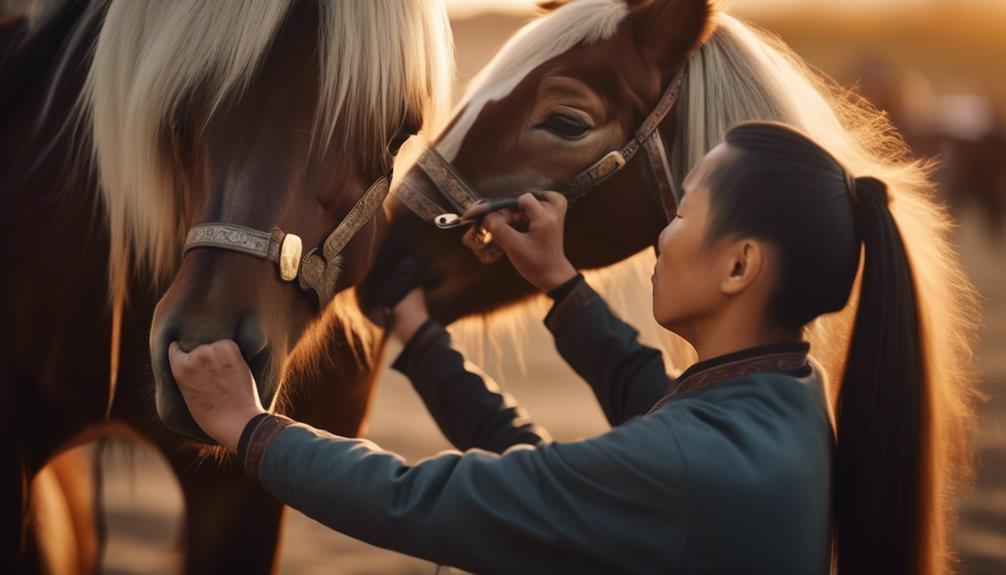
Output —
(742, 74)
(151, 56)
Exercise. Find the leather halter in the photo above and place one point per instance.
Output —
(317, 271)
(459, 193)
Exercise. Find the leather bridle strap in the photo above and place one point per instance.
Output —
(453, 186)
(648, 139)
(316, 272)
(320, 272)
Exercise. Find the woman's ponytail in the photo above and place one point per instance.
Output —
(886, 503)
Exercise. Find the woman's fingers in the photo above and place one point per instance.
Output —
(556, 200)
(222, 354)
(504, 235)
(531, 208)
(177, 359)
(475, 212)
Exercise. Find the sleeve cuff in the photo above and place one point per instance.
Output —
(577, 295)
(255, 439)
(420, 342)
(559, 293)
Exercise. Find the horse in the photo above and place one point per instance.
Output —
(192, 171)
(965, 132)
(560, 106)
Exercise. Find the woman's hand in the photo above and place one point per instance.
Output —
(538, 253)
(218, 388)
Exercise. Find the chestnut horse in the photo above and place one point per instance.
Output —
(578, 83)
(129, 123)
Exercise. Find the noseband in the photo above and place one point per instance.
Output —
(316, 272)
(461, 195)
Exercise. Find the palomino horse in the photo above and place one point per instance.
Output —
(252, 129)
(578, 84)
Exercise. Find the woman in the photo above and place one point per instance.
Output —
(727, 469)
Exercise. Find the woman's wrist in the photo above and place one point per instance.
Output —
(557, 276)
(231, 428)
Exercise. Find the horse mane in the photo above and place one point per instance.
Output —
(743, 73)
(151, 57)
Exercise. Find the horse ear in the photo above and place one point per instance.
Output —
(549, 5)
(670, 30)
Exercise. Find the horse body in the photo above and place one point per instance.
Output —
(270, 142)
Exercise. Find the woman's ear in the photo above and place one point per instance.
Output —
(743, 263)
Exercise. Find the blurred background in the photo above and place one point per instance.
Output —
(938, 67)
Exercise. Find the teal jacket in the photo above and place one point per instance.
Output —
(724, 470)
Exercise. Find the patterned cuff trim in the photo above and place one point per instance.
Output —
(263, 431)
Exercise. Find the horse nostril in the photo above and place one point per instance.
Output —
(250, 336)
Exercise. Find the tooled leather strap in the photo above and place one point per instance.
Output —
(320, 272)
(664, 189)
(450, 183)
(649, 139)
(236, 238)
(416, 200)
(316, 272)
(461, 195)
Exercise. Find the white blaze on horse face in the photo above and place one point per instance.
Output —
(586, 21)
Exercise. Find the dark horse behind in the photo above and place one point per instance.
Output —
(125, 124)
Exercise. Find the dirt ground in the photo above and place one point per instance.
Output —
(144, 505)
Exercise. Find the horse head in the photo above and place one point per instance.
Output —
(570, 88)
(263, 137)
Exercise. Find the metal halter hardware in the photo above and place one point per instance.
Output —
(317, 271)
(459, 193)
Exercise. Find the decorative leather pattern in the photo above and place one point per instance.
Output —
(416, 201)
(447, 179)
(664, 188)
(267, 429)
(461, 195)
(235, 238)
(320, 272)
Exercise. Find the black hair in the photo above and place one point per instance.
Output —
(779, 186)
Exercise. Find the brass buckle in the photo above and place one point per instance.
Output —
(608, 165)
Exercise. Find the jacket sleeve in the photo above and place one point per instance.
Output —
(626, 376)
(607, 504)
(468, 406)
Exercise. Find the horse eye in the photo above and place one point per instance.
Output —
(564, 126)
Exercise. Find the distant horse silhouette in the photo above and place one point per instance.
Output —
(964, 133)
(576, 85)
(272, 115)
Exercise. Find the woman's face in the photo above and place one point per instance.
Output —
(687, 275)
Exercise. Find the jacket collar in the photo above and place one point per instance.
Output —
(772, 357)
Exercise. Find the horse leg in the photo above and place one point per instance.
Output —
(14, 484)
(231, 524)
(62, 516)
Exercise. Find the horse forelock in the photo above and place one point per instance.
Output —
(546, 37)
(151, 57)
